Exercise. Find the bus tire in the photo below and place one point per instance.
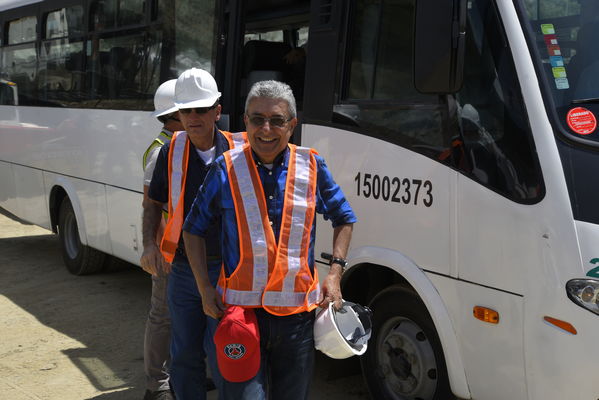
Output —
(404, 359)
(79, 258)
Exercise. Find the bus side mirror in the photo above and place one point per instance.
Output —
(439, 42)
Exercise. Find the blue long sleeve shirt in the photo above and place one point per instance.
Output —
(214, 199)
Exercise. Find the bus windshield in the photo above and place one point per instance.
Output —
(566, 34)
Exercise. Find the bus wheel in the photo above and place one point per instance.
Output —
(404, 358)
(79, 259)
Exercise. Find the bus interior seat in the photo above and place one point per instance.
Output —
(263, 60)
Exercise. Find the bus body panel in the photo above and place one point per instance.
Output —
(103, 146)
(94, 155)
(361, 163)
(124, 223)
(8, 199)
(558, 362)
(479, 341)
(29, 189)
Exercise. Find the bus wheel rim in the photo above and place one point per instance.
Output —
(71, 237)
(407, 360)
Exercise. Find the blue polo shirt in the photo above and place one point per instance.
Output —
(196, 172)
(215, 201)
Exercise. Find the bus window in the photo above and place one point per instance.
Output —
(496, 146)
(60, 76)
(103, 14)
(22, 30)
(566, 33)
(379, 98)
(110, 13)
(190, 43)
(272, 36)
(119, 75)
(131, 12)
(19, 61)
(64, 22)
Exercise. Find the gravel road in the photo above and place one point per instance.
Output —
(68, 337)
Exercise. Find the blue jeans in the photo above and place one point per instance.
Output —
(191, 335)
(286, 360)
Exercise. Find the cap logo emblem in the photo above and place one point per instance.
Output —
(235, 351)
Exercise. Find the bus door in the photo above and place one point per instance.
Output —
(266, 40)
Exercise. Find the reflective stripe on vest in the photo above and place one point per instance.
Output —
(275, 277)
(236, 139)
(178, 157)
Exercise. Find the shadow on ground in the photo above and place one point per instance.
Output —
(106, 313)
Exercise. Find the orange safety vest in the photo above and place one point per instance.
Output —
(275, 277)
(178, 156)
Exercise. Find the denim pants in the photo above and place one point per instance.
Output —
(191, 335)
(286, 360)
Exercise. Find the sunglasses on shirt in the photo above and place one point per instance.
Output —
(198, 110)
(277, 122)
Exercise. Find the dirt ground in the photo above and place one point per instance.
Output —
(68, 337)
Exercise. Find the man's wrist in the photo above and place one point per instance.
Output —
(336, 269)
(150, 243)
(341, 262)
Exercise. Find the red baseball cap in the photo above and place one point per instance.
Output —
(237, 340)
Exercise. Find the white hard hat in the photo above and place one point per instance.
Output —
(196, 88)
(343, 333)
(164, 99)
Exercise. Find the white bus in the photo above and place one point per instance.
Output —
(463, 133)
(82, 76)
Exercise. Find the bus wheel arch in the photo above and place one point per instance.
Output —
(57, 194)
(79, 258)
(369, 283)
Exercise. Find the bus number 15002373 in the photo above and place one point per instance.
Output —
(396, 190)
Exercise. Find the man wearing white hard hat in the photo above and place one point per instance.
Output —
(181, 167)
(158, 325)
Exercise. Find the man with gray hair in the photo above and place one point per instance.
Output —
(266, 196)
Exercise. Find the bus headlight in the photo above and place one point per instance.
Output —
(585, 293)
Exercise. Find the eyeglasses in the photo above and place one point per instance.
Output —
(198, 110)
(277, 122)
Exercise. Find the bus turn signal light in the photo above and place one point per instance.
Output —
(566, 326)
(486, 314)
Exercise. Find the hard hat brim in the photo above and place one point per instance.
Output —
(199, 103)
(160, 113)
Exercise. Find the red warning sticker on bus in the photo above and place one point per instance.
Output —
(581, 121)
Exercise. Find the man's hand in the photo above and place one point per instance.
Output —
(212, 302)
(166, 266)
(331, 288)
(151, 260)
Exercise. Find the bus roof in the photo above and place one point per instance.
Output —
(9, 4)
